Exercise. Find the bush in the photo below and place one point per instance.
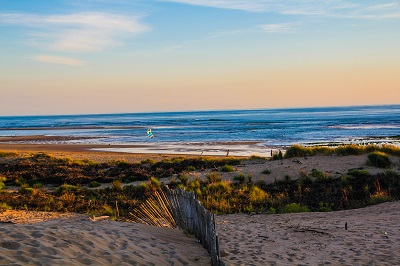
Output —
(8, 154)
(294, 208)
(4, 206)
(266, 172)
(240, 178)
(298, 151)
(2, 180)
(358, 173)
(66, 187)
(379, 159)
(257, 194)
(325, 207)
(190, 168)
(213, 177)
(350, 150)
(227, 168)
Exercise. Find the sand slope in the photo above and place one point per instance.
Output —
(372, 237)
(76, 240)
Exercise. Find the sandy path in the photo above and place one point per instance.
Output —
(372, 237)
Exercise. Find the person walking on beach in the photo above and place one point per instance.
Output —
(227, 153)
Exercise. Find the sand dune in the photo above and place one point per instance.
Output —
(76, 240)
(372, 237)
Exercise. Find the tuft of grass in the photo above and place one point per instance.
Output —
(380, 195)
(266, 172)
(257, 194)
(2, 180)
(298, 151)
(67, 187)
(4, 154)
(213, 177)
(4, 206)
(240, 178)
(148, 161)
(190, 168)
(325, 207)
(379, 159)
(294, 208)
(227, 168)
(350, 150)
(358, 173)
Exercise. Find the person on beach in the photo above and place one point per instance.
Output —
(227, 153)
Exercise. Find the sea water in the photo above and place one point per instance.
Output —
(261, 129)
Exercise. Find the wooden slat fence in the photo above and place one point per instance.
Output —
(190, 214)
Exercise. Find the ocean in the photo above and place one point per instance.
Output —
(246, 131)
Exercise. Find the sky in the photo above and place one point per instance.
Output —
(125, 56)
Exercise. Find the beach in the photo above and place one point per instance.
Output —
(372, 237)
(37, 238)
(367, 236)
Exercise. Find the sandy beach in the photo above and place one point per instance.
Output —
(37, 238)
(372, 236)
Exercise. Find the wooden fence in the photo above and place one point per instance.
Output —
(190, 214)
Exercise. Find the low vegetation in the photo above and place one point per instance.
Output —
(52, 184)
(343, 150)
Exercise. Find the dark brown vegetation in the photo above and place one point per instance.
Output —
(44, 182)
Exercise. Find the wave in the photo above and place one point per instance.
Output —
(369, 126)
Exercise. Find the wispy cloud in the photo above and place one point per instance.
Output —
(278, 27)
(58, 60)
(333, 8)
(82, 32)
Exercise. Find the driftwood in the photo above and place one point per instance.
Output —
(94, 218)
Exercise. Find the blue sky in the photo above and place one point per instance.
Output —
(110, 56)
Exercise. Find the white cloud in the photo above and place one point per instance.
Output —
(278, 27)
(332, 8)
(82, 32)
(58, 60)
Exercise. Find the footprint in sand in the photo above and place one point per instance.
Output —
(10, 245)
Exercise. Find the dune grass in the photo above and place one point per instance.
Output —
(78, 186)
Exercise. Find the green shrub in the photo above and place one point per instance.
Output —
(4, 154)
(155, 183)
(379, 159)
(390, 173)
(2, 180)
(4, 206)
(316, 173)
(298, 151)
(376, 199)
(358, 173)
(240, 178)
(213, 177)
(190, 168)
(350, 150)
(148, 161)
(294, 208)
(227, 168)
(123, 164)
(325, 207)
(257, 194)
(66, 187)
(266, 172)
(184, 179)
